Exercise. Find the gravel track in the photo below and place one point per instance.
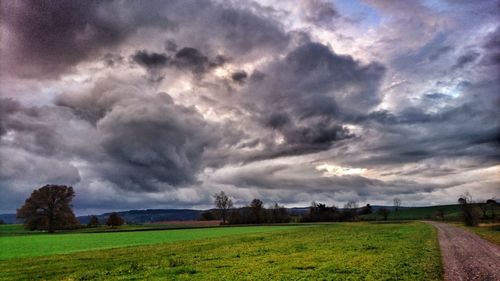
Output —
(466, 256)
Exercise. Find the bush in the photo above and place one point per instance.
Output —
(470, 213)
(94, 221)
(115, 220)
(207, 216)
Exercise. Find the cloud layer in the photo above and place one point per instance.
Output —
(163, 103)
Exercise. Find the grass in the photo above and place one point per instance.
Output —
(40, 245)
(355, 251)
(18, 229)
(490, 232)
(451, 212)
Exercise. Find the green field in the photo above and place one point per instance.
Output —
(451, 212)
(41, 245)
(337, 251)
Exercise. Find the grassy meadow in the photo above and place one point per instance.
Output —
(336, 251)
(41, 245)
(490, 232)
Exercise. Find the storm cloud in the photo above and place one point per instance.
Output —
(162, 103)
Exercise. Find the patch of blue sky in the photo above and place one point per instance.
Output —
(357, 10)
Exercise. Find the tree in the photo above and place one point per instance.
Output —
(365, 210)
(49, 208)
(115, 219)
(1, 221)
(469, 214)
(384, 212)
(350, 211)
(223, 203)
(492, 203)
(257, 209)
(94, 221)
(397, 204)
(321, 212)
(278, 214)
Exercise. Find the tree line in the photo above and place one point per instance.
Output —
(49, 208)
(256, 213)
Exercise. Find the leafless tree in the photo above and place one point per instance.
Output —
(223, 203)
(397, 204)
(469, 213)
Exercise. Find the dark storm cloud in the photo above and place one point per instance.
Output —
(314, 89)
(466, 59)
(31, 127)
(32, 149)
(110, 133)
(194, 60)
(60, 34)
(187, 58)
(150, 60)
(152, 143)
(239, 76)
(148, 142)
(319, 12)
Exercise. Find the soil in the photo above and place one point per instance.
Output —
(466, 256)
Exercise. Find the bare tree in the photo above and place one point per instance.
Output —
(469, 214)
(350, 211)
(397, 204)
(223, 203)
(49, 208)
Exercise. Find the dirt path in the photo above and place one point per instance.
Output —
(466, 256)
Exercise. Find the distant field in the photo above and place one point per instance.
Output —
(41, 245)
(451, 212)
(347, 251)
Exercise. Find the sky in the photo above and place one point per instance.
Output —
(161, 104)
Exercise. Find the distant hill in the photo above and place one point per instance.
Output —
(8, 218)
(451, 212)
(150, 215)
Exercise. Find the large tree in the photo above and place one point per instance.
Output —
(223, 203)
(49, 208)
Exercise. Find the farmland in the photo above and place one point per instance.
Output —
(336, 251)
(37, 245)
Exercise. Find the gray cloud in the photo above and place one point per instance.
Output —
(466, 59)
(63, 33)
(254, 104)
(319, 12)
(314, 90)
